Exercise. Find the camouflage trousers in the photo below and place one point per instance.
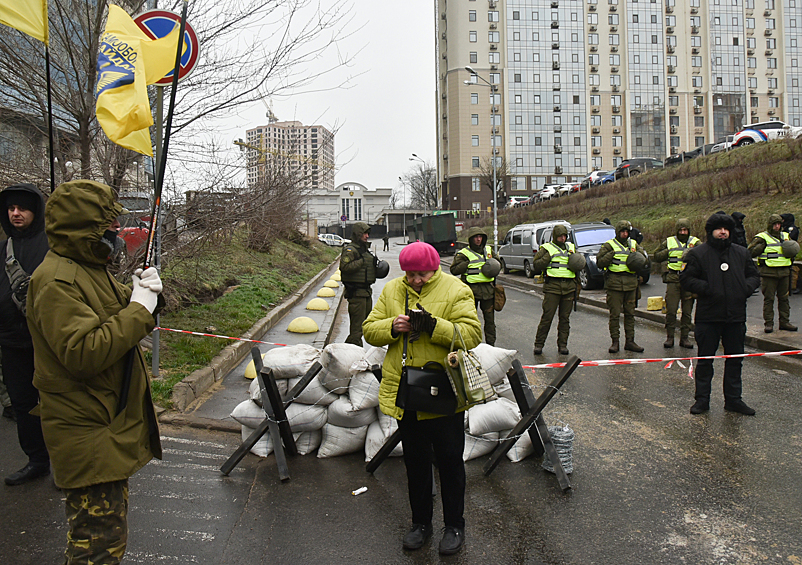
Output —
(98, 519)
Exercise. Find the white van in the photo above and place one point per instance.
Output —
(520, 245)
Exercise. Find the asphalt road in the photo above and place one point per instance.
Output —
(651, 483)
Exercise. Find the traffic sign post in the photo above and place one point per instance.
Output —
(158, 24)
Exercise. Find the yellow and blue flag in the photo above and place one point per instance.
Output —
(128, 60)
(28, 16)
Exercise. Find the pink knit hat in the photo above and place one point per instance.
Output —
(419, 256)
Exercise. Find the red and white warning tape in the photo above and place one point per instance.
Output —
(220, 336)
(598, 363)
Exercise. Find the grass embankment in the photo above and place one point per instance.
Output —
(226, 292)
(757, 180)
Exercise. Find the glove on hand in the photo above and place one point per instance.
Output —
(425, 321)
(150, 278)
(144, 295)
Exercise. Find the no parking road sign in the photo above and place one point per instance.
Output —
(158, 24)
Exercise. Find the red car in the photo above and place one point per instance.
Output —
(134, 232)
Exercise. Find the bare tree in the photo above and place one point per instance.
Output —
(502, 171)
(423, 187)
(251, 49)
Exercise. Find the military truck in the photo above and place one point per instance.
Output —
(438, 230)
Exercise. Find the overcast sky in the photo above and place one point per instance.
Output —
(388, 113)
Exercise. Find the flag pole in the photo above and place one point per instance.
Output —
(157, 195)
(50, 120)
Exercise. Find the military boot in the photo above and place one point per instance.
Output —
(685, 342)
(669, 342)
(787, 326)
(630, 345)
(768, 327)
(614, 347)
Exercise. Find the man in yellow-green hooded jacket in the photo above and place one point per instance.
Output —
(84, 326)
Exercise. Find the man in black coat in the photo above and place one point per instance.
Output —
(723, 276)
(738, 235)
(22, 215)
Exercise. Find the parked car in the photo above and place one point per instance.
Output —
(516, 201)
(576, 188)
(723, 145)
(134, 232)
(590, 179)
(604, 179)
(333, 239)
(564, 189)
(632, 167)
(520, 245)
(765, 131)
(547, 192)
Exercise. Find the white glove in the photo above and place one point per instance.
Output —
(146, 296)
(149, 278)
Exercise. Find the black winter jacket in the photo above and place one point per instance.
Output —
(722, 292)
(30, 248)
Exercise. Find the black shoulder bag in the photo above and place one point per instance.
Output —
(424, 389)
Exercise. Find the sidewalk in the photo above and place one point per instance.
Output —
(212, 407)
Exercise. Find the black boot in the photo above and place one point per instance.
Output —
(417, 536)
(613, 347)
(700, 407)
(452, 541)
(739, 406)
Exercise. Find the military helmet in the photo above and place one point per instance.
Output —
(491, 268)
(636, 261)
(790, 248)
(382, 269)
(576, 262)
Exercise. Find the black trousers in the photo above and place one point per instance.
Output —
(708, 336)
(445, 436)
(18, 375)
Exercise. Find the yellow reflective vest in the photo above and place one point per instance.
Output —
(772, 255)
(676, 249)
(475, 264)
(619, 264)
(558, 265)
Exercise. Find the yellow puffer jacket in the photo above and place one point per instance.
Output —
(449, 300)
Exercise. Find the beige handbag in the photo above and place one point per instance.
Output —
(468, 379)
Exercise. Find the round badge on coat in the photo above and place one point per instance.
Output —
(724, 266)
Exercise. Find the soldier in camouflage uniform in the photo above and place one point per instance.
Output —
(622, 285)
(672, 251)
(775, 272)
(358, 273)
(468, 264)
(559, 288)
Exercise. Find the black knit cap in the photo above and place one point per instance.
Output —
(719, 221)
(21, 198)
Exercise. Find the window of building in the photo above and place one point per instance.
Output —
(770, 23)
(519, 162)
(494, 58)
(535, 36)
(634, 18)
(774, 102)
(516, 57)
(519, 120)
(615, 59)
(772, 82)
(617, 120)
(699, 121)
(519, 141)
(516, 15)
(536, 78)
(595, 141)
(471, 15)
(538, 141)
(614, 39)
(475, 162)
(771, 63)
(696, 61)
(474, 119)
(673, 100)
(493, 36)
(475, 140)
(476, 186)
(517, 98)
(516, 36)
(472, 36)
(492, 16)
(474, 98)
(474, 57)
(618, 141)
(638, 142)
(753, 101)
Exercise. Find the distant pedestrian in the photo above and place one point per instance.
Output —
(671, 251)
(738, 235)
(793, 232)
(444, 304)
(386, 240)
(723, 276)
(622, 258)
(607, 221)
(560, 262)
(775, 251)
(22, 216)
(86, 327)
(358, 273)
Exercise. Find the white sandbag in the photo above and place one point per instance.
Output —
(341, 413)
(363, 390)
(248, 413)
(389, 425)
(292, 361)
(261, 448)
(256, 394)
(500, 414)
(306, 417)
(373, 356)
(476, 446)
(305, 442)
(314, 393)
(336, 360)
(375, 440)
(504, 390)
(521, 449)
(495, 360)
(340, 441)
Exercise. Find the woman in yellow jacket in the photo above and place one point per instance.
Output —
(450, 303)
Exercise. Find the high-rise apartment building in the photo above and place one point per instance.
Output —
(584, 84)
(305, 151)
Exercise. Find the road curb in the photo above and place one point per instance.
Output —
(199, 381)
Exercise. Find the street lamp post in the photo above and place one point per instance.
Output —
(423, 183)
(404, 208)
(493, 146)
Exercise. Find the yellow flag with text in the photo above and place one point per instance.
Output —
(127, 61)
(28, 16)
